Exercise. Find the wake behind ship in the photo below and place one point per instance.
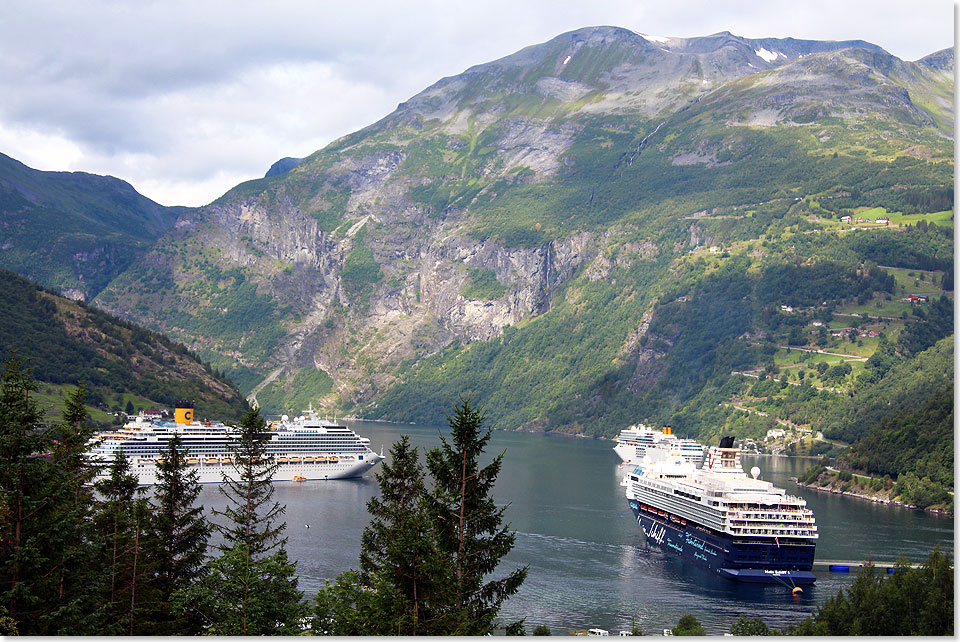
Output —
(305, 448)
(742, 527)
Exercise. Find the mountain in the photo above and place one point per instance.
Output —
(282, 166)
(905, 422)
(74, 231)
(537, 230)
(65, 342)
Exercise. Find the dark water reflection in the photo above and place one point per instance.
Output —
(589, 563)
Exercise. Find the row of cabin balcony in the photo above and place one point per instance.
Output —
(774, 532)
(754, 514)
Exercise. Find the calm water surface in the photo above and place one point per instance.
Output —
(589, 563)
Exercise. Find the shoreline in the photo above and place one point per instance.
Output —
(558, 433)
(876, 499)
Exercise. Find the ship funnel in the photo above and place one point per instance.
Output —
(667, 430)
(183, 413)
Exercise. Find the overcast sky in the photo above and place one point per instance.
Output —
(186, 99)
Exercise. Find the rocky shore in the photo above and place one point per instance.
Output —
(882, 497)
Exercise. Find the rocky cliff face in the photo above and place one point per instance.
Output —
(480, 201)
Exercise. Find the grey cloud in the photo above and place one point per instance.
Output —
(184, 89)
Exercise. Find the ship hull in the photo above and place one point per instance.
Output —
(743, 561)
(146, 471)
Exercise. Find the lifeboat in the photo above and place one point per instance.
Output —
(294, 460)
(211, 460)
(193, 460)
(309, 460)
(332, 460)
(298, 478)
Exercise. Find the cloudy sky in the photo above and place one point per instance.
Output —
(186, 99)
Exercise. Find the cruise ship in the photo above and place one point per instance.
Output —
(740, 526)
(305, 447)
(632, 444)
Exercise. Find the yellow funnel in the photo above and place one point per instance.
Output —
(183, 415)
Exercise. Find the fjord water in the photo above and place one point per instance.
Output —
(589, 563)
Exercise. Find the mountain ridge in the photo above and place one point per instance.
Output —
(102, 225)
(564, 195)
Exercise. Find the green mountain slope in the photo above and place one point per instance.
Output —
(522, 229)
(914, 428)
(66, 342)
(71, 230)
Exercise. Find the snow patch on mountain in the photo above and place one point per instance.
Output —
(769, 56)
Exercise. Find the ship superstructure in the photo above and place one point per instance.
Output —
(305, 447)
(741, 526)
(632, 444)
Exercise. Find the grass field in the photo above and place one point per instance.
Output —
(50, 398)
(916, 281)
(893, 309)
(944, 218)
(784, 357)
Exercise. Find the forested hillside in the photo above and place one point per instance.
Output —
(74, 231)
(525, 230)
(594, 231)
(65, 342)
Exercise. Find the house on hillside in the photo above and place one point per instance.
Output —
(915, 298)
(845, 219)
(883, 219)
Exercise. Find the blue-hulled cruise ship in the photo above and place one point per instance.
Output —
(719, 517)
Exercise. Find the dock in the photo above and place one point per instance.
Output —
(845, 566)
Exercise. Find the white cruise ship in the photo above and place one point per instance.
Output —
(632, 444)
(719, 517)
(305, 448)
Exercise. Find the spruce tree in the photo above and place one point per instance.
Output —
(401, 570)
(250, 517)
(469, 526)
(28, 577)
(399, 557)
(118, 524)
(73, 495)
(251, 587)
(178, 539)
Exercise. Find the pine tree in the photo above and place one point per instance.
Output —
(178, 539)
(118, 522)
(28, 577)
(251, 588)
(250, 518)
(910, 601)
(73, 495)
(469, 525)
(399, 558)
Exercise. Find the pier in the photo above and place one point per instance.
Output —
(844, 566)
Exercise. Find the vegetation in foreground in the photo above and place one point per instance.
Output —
(425, 556)
(110, 558)
(911, 601)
